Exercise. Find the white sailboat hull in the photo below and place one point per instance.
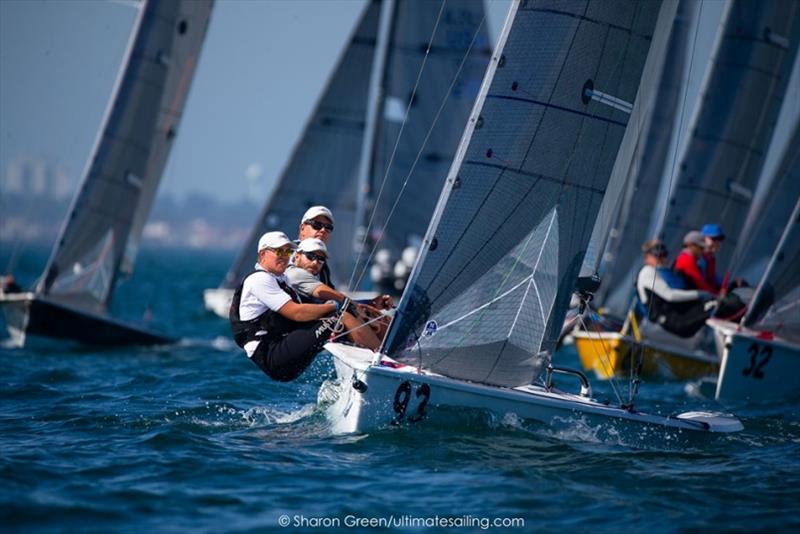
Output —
(752, 367)
(218, 300)
(395, 394)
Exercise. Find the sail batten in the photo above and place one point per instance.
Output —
(513, 221)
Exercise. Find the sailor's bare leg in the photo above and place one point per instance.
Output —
(363, 335)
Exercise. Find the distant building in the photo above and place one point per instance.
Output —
(37, 178)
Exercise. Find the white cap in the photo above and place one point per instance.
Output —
(274, 240)
(316, 211)
(312, 244)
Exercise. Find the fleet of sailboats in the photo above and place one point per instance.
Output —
(720, 168)
(100, 237)
(521, 180)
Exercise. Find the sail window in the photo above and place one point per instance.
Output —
(182, 27)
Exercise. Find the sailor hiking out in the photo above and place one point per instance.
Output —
(279, 333)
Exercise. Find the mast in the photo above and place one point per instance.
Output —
(375, 98)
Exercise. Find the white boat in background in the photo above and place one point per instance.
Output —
(99, 239)
(350, 137)
(485, 303)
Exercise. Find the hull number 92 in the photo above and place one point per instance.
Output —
(402, 397)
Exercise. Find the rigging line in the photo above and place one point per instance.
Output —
(394, 152)
(378, 318)
(640, 346)
(419, 153)
(606, 356)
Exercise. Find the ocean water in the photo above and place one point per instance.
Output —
(193, 437)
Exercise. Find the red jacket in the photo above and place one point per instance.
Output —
(686, 266)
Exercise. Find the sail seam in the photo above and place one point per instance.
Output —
(536, 175)
(560, 108)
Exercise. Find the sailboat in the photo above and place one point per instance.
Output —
(99, 239)
(760, 354)
(347, 143)
(731, 131)
(481, 315)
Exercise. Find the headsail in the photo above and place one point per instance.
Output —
(323, 165)
(131, 150)
(501, 256)
(732, 128)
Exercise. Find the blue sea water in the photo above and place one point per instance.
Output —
(193, 437)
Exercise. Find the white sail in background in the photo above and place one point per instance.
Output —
(732, 129)
(499, 262)
(114, 199)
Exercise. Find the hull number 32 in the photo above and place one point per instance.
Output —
(759, 356)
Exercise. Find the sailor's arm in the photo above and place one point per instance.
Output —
(306, 312)
(326, 292)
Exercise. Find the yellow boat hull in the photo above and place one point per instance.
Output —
(608, 354)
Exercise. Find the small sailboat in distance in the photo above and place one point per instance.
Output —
(100, 235)
(483, 309)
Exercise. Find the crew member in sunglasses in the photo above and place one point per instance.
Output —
(309, 258)
(317, 222)
(279, 332)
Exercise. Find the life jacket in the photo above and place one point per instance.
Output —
(325, 276)
(274, 324)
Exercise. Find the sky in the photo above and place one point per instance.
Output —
(262, 67)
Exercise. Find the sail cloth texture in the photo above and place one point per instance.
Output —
(776, 303)
(125, 167)
(620, 263)
(323, 165)
(732, 128)
(458, 57)
(500, 259)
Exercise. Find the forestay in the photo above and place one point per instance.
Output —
(455, 65)
(107, 215)
(635, 214)
(776, 303)
(323, 165)
(732, 128)
(489, 292)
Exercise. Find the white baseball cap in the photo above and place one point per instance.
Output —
(316, 211)
(274, 240)
(312, 244)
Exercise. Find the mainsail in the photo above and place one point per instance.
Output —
(732, 128)
(488, 295)
(107, 214)
(443, 95)
(323, 165)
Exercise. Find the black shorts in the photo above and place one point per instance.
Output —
(286, 358)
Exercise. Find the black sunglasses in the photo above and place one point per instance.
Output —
(315, 257)
(316, 225)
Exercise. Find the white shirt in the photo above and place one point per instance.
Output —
(650, 279)
(259, 293)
